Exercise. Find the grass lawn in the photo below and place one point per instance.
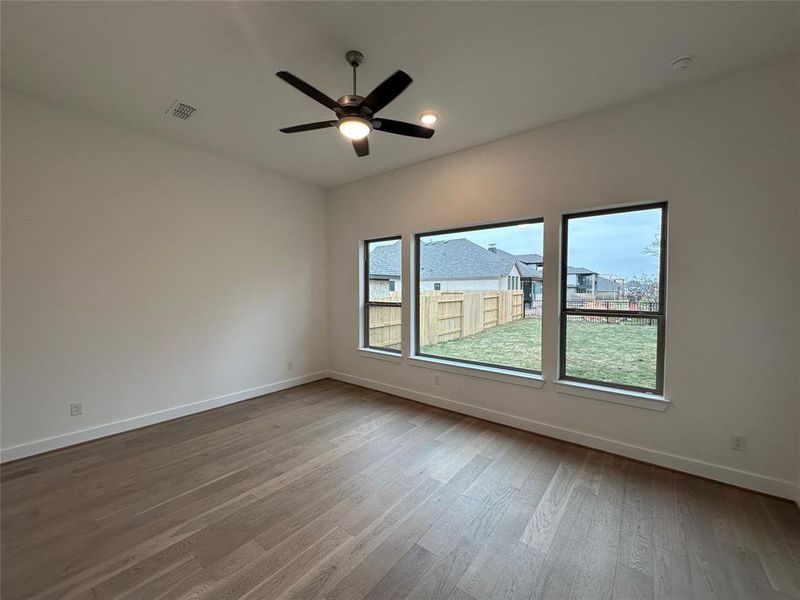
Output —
(615, 353)
(517, 344)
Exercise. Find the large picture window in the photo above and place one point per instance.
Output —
(383, 309)
(479, 295)
(613, 286)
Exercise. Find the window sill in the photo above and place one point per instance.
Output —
(497, 374)
(609, 394)
(394, 357)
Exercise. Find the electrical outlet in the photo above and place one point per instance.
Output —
(75, 409)
(290, 365)
(436, 380)
(738, 443)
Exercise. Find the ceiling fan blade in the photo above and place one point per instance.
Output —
(361, 146)
(308, 90)
(387, 91)
(402, 128)
(308, 126)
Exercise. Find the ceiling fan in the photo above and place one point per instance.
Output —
(355, 115)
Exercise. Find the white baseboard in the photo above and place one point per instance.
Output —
(91, 433)
(744, 479)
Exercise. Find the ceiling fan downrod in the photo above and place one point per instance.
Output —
(354, 59)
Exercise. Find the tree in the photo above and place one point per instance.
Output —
(654, 247)
(645, 287)
(642, 287)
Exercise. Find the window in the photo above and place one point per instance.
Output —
(489, 313)
(613, 280)
(383, 312)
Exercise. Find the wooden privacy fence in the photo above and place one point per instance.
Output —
(385, 323)
(445, 316)
(385, 326)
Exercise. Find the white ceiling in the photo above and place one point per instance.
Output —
(490, 69)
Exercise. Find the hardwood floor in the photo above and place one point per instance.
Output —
(331, 491)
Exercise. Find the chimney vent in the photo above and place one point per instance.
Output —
(493, 248)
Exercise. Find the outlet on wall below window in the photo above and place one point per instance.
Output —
(436, 380)
(75, 409)
(738, 443)
(290, 365)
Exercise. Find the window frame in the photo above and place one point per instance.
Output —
(659, 315)
(462, 362)
(366, 303)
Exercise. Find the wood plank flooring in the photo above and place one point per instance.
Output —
(335, 492)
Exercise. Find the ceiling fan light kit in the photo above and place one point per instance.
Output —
(356, 114)
(354, 128)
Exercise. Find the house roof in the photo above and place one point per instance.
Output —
(503, 254)
(385, 262)
(530, 259)
(460, 259)
(380, 269)
(526, 270)
(523, 262)
(450, 259)
(579, 271)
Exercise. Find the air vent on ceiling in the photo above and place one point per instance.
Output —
(181, 110)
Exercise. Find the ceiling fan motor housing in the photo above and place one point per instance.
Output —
(351, 107)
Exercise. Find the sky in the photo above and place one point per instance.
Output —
(516, 239)
(608, 244)
(614, 244)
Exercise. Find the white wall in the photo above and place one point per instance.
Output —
(725, 155)
(139, 276)
(797, 171)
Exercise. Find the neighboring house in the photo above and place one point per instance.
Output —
(384, 270)
(457, 264)
(533, 260)
(530, 268)
(460, 264)
(586, 284)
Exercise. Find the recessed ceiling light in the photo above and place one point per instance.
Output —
(679, 64)
(428, 118)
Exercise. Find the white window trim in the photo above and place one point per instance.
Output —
(612, 394)
(395, 357)
(533, 380)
